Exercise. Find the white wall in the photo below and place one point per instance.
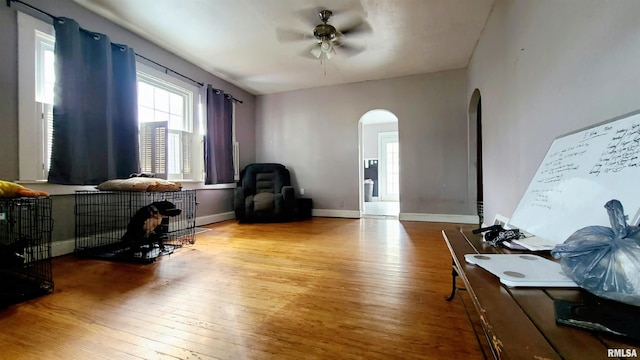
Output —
(545, 68)
(314, 132)
(370, 137)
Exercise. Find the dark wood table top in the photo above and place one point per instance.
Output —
(520, 322)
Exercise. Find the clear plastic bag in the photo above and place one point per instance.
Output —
(605, 261)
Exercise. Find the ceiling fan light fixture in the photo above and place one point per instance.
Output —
(327, 49)
(328, 37)
(316, 51)
(330, 52)
(323, 48)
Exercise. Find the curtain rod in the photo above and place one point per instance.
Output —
(138, 55)
(184, 76)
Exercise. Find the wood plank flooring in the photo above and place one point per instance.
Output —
(317, 289)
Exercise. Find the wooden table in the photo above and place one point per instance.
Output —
(519, 323)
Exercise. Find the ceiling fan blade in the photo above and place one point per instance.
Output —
(286, 35)
(309, 16)
(347, 49)
(356, 27)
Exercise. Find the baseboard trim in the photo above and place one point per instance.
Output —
(448, 218)
(62, 247)
(66, 247)
(354, 214)
(210, 219)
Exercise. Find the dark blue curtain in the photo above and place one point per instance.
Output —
(218, 152)
(95, 114)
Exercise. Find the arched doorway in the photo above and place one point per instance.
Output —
(475, 154)
(379, 159)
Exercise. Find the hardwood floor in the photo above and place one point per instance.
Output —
(317, 289)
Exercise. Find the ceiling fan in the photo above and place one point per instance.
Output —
(328, 38)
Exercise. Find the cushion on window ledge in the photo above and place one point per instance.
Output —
(139, 184)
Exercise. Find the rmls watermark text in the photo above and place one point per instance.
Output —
(622, 353)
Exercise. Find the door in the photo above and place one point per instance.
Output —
(389, 166)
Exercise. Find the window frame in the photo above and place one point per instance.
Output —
(193, 119)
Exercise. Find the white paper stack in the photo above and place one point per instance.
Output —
(524, 270)
(535, 243)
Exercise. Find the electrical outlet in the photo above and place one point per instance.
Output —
(301, 191)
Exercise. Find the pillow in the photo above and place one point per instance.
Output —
(263, 201)
(139, 184)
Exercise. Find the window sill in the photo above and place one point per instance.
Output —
(55, 189)
(200, 185)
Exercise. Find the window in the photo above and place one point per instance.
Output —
(171, 135)
(45, 78)
(36, 43)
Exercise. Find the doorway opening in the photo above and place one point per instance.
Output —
(475, 153)
(379, 159)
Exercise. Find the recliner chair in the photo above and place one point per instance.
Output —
(264, 194)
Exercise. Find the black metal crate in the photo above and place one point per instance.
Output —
(102, 218)
(25, 249)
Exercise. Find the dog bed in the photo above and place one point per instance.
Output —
(139, 184)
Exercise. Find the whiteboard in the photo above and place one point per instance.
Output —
(579, 174)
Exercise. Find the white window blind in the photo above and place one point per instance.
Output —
(153, 148)
(46, 114)
(187, 153)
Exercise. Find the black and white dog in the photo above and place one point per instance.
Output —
(149, 224)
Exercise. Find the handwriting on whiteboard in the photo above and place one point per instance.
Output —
(580, 172)
(620, 153)
(562, 162)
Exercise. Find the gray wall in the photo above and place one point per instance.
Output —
(314, 132)
(545, 68)
(211, 201)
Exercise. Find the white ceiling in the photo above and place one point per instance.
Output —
(237, 40)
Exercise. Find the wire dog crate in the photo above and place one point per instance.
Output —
(103, 218)
(25, 249)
